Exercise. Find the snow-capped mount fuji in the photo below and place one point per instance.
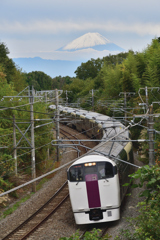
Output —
(91, 41)
(65, 60)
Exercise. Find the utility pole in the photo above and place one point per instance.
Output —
(66, 98)
(150, 124)
(92, 92)
(57, 123)
(14, 144)
(151, 137)
(125, 106)
(31, 97)
(92, 99)
(45, 97)
(31, 126)
(146, 92)
(150, 129)
(125, 103)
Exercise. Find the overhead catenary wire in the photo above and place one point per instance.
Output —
(114, 136)
(44, 101)
(22, 110)
(75, 135)
(26, 119)
(90, 151)
(23, 132)
(44, 175)
(26, 153)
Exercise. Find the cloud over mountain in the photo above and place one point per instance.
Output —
(68, 58)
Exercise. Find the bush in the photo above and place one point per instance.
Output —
(147, 223)
(93, 235)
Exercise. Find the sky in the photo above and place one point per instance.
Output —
(32, 28)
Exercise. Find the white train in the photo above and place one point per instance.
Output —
(96, 180)
(94, 190)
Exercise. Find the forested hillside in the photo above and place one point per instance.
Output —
(12, 82)
(114, 74)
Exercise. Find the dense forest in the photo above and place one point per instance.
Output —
(100, 85)
(12, 82)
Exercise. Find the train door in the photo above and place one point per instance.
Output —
(108, 185)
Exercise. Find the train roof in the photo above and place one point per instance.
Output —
(109, 125)
(109, 148)
(111, 129)
(93, 158)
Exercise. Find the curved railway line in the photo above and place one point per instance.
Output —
(40, 216)
(35, 221)
(102, 227)
(69, 135)
(31, 224)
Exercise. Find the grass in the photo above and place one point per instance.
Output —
(40, 184)
(24, 199)
(15, 206)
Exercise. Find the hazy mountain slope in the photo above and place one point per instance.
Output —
(52, 68)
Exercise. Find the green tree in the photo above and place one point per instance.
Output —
(129, 80)
(7, 63)
(59, 82)
(111, 76)
(89, 69)
(39, 80)
(151, 69)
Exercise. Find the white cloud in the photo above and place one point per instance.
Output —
(53, 27)
(79, 55)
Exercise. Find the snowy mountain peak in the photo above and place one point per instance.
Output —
(86, 41)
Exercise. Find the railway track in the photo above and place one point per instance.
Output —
(30, 225)
(69, 135)
(40, 216)
(34, 222)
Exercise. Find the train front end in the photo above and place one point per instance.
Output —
(94, 190)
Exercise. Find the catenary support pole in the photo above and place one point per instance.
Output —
(151, 136)
(57, 123)
(125, 110)
(32, 140)
(146, 93)
(92, 100)
(14, 145)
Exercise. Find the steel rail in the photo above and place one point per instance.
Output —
(38, 211)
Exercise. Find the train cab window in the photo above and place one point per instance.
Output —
(90, 168)
(76, 173)
(105, 170)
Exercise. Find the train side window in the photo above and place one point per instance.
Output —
(105, 170)
(131, 156)
(123, 155)
(76, 173)
(122, 165)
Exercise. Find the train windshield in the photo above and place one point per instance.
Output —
(76, 173)
(103, 170)
(90, 168)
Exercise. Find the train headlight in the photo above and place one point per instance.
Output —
(89, 164)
